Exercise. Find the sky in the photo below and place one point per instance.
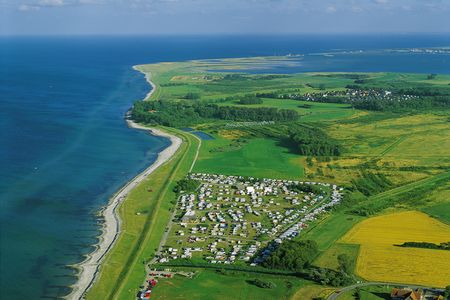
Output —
(67, 17)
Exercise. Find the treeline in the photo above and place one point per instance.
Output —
(441, 246)
(354, 76)
(239, 77)
(292, 255)
(185, 113)
(313, 141)
(297, 256)
(249, 99)
(422, 103)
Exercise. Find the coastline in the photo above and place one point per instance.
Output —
(89, 268)
(147, 78)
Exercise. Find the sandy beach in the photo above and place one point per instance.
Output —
(89, 268)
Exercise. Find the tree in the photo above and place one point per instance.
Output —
(192, 96)
(292, 255)
(447, 292)
(186, 185)
(344, 263)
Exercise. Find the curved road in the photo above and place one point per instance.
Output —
(343, 290)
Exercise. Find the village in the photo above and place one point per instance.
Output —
(352, 95)
(232, 219)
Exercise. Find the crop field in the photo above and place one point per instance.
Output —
(380, 260)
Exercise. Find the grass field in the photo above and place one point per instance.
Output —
(122, 271)
(380, 260)
(257, 157)
(210, 285)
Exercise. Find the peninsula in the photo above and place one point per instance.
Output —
(262, 164)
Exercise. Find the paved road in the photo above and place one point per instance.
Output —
(343, 290)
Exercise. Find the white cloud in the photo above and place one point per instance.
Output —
(51, 3)
(331, 9)
(26, 7)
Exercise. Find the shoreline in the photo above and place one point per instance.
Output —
(147, 78)
(89, 268)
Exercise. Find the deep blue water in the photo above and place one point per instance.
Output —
(65, 148)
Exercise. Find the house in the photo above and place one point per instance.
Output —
(406, 294)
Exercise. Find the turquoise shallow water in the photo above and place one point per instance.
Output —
(65, 148)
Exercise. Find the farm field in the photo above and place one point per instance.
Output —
(377, 237)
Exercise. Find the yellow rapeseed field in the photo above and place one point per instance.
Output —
(380, 260)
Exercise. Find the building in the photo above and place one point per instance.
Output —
(406, 294)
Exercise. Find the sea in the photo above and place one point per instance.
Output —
(65, 147)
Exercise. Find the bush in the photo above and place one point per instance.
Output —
(262, 284)
(187, 185)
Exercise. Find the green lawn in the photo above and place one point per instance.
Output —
(259, 158)
(210, 285)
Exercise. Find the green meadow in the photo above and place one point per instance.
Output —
(258, 158)
(210, 284)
